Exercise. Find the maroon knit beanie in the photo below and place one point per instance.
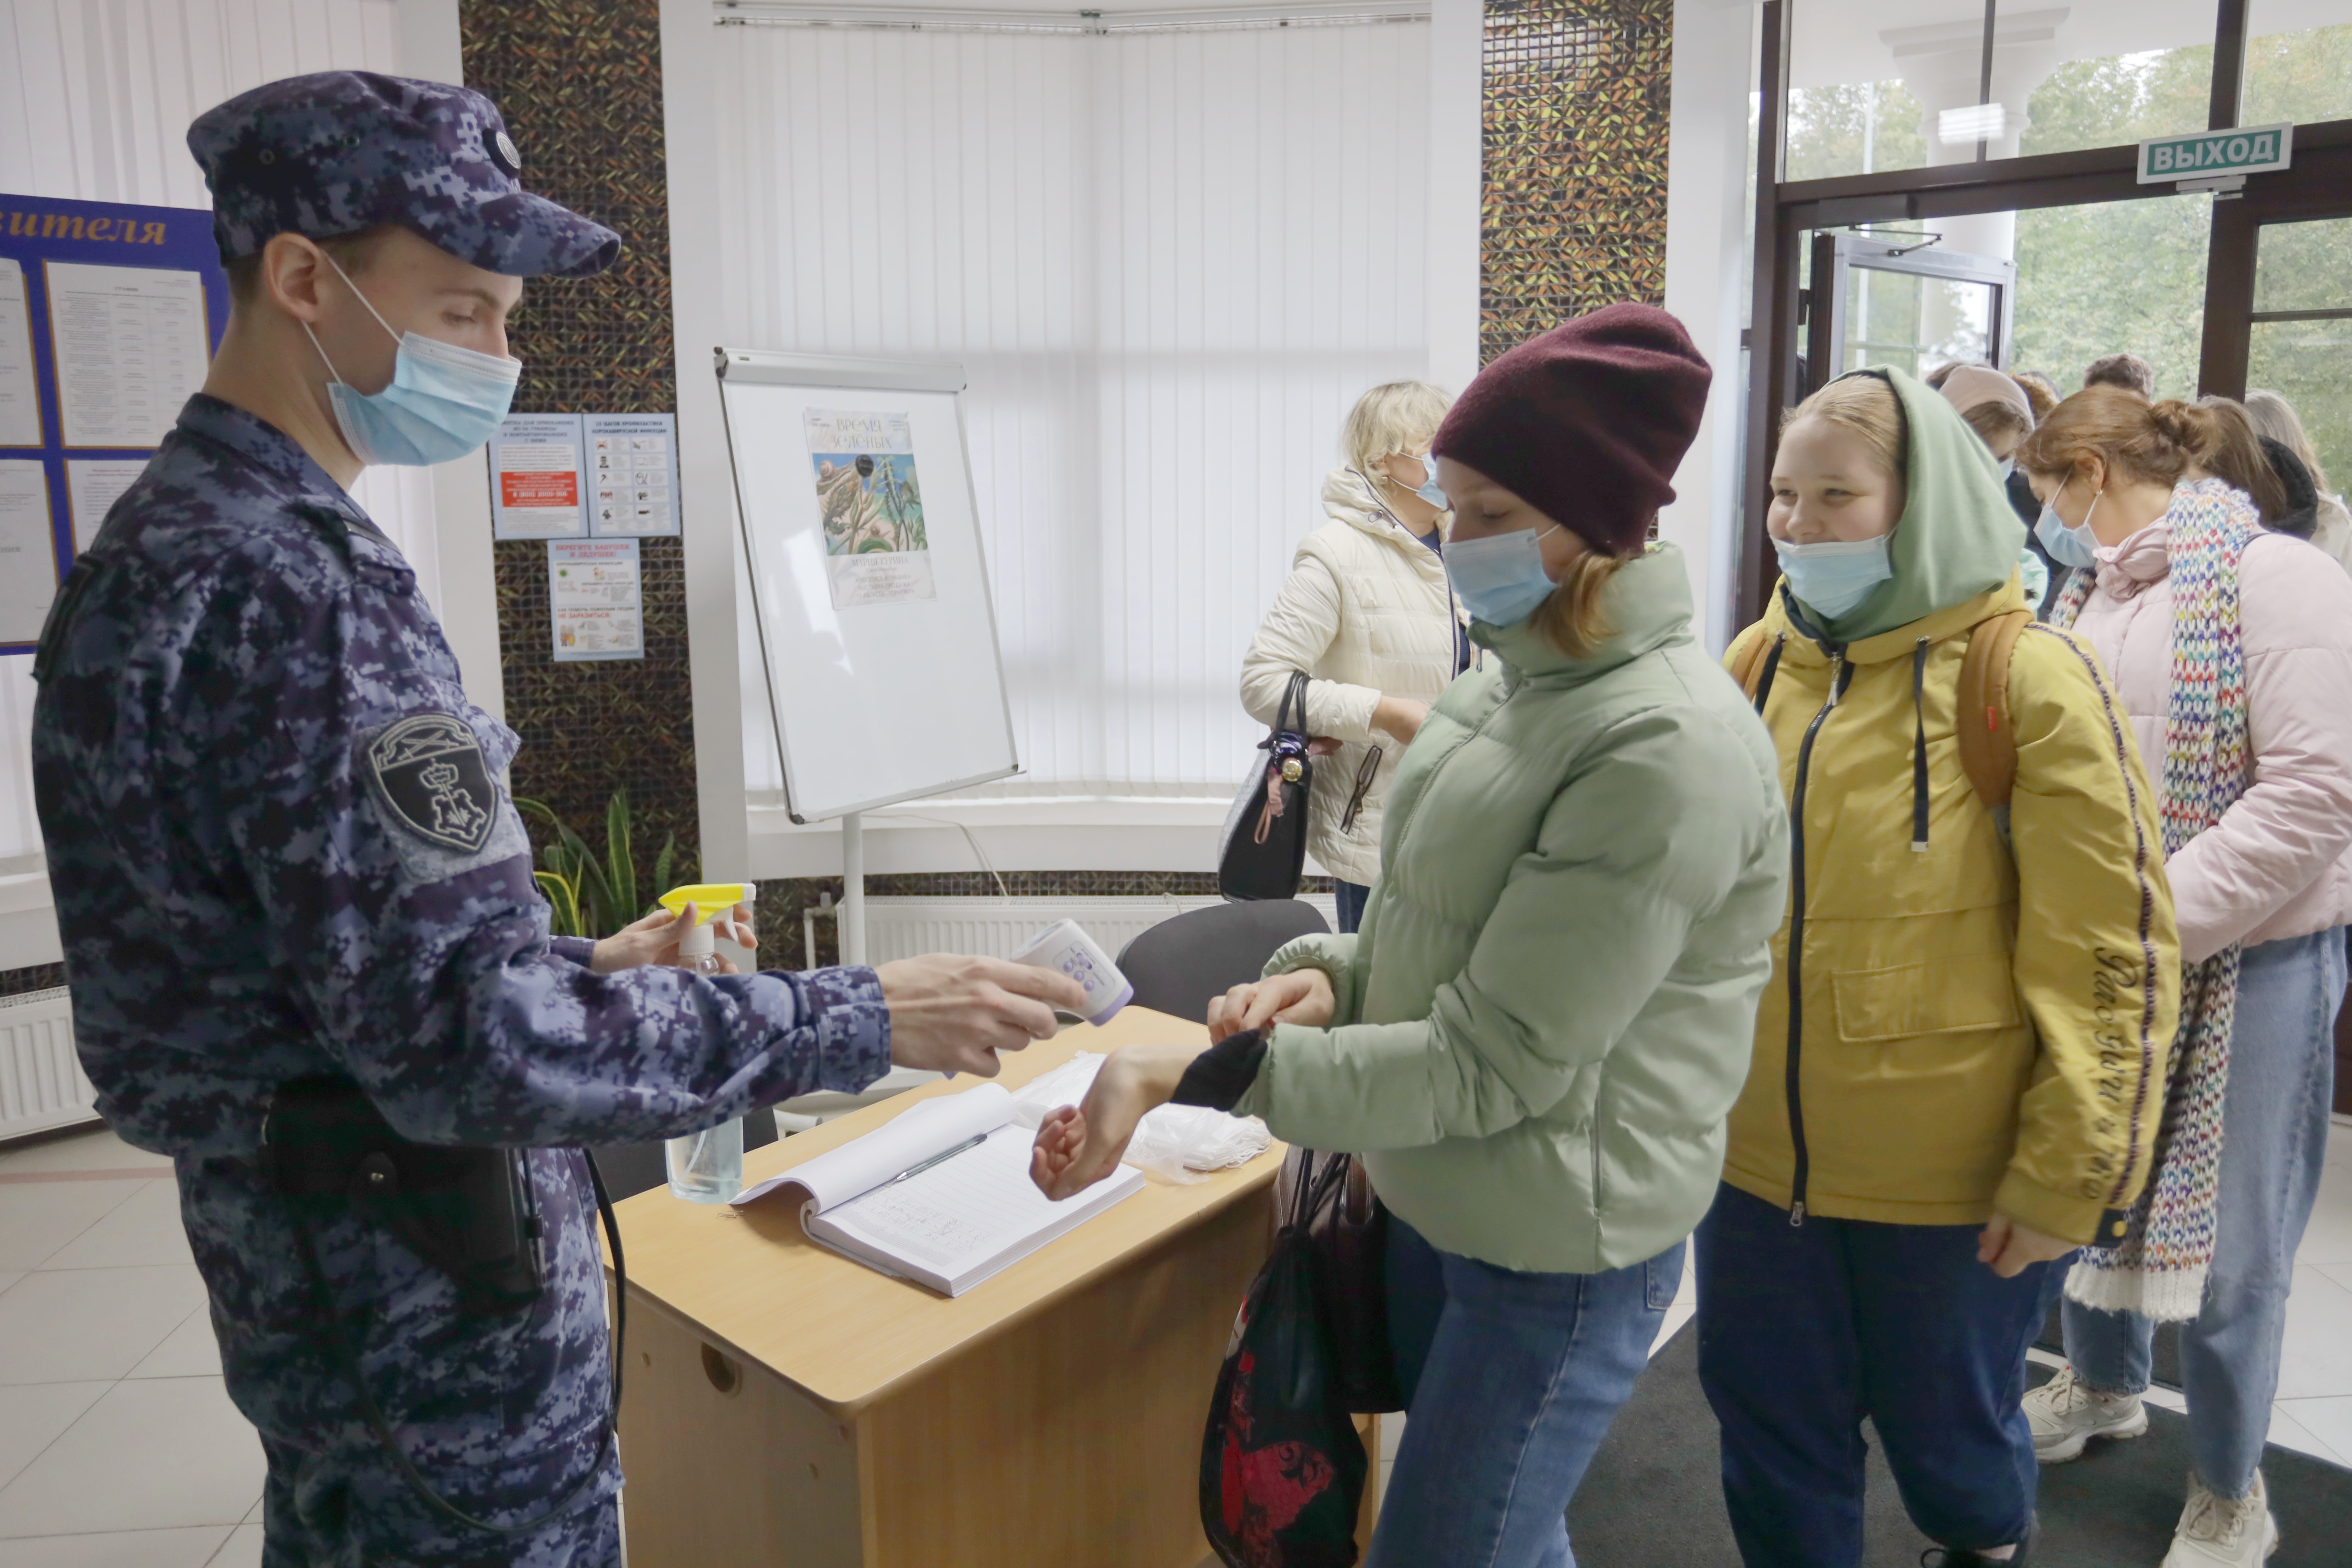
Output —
(1588, 421)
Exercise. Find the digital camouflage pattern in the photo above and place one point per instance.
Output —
(282, 847)
(339, 152)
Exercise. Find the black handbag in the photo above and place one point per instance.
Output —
(1263, 851)
(1346, 1229)
(1282, 1468)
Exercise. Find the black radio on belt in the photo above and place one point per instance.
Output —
(469, 1212)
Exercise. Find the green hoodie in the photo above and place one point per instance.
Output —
(1957, 536)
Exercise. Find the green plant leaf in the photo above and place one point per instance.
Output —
(662, 884)
(595, 892)
(563, 904)
(619, 856)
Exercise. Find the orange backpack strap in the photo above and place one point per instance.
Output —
(1747, 666)
(1987, 747)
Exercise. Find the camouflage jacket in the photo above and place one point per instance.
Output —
(282, 847)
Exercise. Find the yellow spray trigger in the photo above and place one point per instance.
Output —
(711, 900)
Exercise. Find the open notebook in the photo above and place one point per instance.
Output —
(952, 1226)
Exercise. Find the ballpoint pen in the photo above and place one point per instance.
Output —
(973, 1143)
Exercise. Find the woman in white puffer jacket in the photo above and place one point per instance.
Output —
(1366, 613)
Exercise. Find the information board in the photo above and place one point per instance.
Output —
(536, 486)
(633, 472)
(109, 318)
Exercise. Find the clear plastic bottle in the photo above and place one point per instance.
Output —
(705, 1167)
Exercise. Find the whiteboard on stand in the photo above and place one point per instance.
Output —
(876, 632)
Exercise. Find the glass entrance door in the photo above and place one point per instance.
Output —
(1899, 301)
(2299, 338)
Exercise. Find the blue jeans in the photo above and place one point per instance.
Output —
(1349, 896)
(1803, 1330)
(1510, 1382)
(2274, 1143)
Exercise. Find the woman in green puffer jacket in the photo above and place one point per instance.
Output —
(1536, 1037)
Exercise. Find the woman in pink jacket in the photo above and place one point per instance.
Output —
(2231, 648)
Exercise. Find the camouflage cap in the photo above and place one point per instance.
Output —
(339, 152)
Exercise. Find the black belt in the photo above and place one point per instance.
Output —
(469, 1212)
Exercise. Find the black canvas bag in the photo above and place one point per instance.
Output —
(1347, 1230)
(1282, 1469)
(1264, 850)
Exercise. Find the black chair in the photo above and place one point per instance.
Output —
(629, 1169)
(1178, 965)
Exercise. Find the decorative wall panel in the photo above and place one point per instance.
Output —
(580, 84)
(1576, 99)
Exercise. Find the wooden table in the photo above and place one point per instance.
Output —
(784, 1406)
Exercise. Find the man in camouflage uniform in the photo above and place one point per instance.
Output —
(282, 848)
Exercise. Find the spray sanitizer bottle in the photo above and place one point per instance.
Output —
(705, 1167)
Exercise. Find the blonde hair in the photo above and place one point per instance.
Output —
(1395, 416)
(1572, 617)
(1865, 405)
(2275, 417)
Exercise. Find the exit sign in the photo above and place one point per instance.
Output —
(2246, 150)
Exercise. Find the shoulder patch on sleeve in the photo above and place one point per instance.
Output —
(428, 772)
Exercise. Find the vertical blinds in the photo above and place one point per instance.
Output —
(95, 101)
(1169, 264)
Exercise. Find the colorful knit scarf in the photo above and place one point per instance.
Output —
(2159, 1268)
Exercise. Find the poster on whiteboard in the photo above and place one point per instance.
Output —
(876, 549)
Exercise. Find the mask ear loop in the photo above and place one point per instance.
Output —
(360, 297)
(331, 371)
(363, 300)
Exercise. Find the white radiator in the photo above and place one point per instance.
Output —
(903, 928)
(41, 1085)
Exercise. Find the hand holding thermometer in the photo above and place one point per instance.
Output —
(1065, 949)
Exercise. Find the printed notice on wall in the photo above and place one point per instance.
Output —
(632, 473)
(29, 561)
(536, 491)
(20, 398)
(92, 487)
(130, 348)
(877, 551)
(595, 599)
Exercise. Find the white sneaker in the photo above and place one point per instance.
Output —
(2066, 1417)
(2222, 1532)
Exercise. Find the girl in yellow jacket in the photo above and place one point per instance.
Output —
(1959, 1061)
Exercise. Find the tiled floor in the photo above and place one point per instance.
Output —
(117, 1449)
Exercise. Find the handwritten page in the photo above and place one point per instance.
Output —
(965, 1218)
(926, 1127)
(971, 1207)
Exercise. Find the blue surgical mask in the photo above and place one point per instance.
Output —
(443, 402)
(2007, 467)
(1429, 490)
(2075, 545)
(1501, 580)
(1833, 578)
